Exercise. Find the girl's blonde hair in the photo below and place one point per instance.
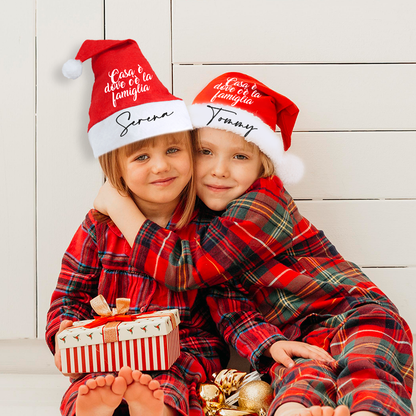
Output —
(267, 167)
(112, 166)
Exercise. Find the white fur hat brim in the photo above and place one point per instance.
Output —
(288, 167)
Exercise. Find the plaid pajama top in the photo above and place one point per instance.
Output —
(96, 262)
(266, 263)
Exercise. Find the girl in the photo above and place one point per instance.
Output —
(276, 262)
(157, 174)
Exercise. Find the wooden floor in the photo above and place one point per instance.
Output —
(35, 395)
(39, 392)
(31, 394)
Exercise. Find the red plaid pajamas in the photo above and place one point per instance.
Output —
(277, 274)
(373, 368)
(96, 261)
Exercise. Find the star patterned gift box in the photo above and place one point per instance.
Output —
(147, 342)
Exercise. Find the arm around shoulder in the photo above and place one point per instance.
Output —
(121, 209)
(253, 229)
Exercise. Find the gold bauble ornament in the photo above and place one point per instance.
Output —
(232, 411)
(211, 397)
(256, 396)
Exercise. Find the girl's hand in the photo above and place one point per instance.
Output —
(64, 325)
(283, 351)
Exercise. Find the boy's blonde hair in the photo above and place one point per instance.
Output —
(112, 166)
(267, 166)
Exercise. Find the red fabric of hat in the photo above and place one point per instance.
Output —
(246, 93)
(241, 104)
(128, 101)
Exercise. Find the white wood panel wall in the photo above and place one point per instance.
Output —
(17, 171)
(69, 176)
(333, 31)
(330, 97)
(149, 23)
(349, 66)
(49, 177)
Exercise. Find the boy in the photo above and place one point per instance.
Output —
(275, 261)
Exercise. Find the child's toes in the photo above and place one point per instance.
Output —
(119, 386)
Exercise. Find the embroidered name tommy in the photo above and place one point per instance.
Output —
(123, 120)
(216, 111)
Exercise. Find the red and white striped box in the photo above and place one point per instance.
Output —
(148, 342)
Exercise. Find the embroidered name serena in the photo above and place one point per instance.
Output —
(123, 120)
(217, 110)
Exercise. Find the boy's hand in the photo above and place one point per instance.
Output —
(121, 209)
(64, 325)
(283, 351)
(107, 195)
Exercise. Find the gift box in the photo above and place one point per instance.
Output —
(148, 341)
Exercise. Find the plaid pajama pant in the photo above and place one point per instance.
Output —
(179, 383)
(373, 370)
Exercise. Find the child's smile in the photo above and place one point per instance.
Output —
(218, 188)
(156, 175)
(163, 182)
(226, 167)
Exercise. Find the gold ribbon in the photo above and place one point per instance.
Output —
(112, 318)
(109, 318)
(100, 306)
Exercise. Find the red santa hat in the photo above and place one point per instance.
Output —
(128, 101)
(243, 105)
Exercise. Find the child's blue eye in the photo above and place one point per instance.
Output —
(142, 157)
(241, 157)
(172, 150)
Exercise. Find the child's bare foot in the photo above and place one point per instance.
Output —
(143, 395)
(318, 411)
(344, 411)
(297, 409)
(322, 411)
(100, 396)
(360, 413)
(290, 409)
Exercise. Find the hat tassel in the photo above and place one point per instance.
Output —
(290, 169)
(72, 68)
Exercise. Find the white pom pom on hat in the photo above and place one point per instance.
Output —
(72, 68)
(290, 169)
